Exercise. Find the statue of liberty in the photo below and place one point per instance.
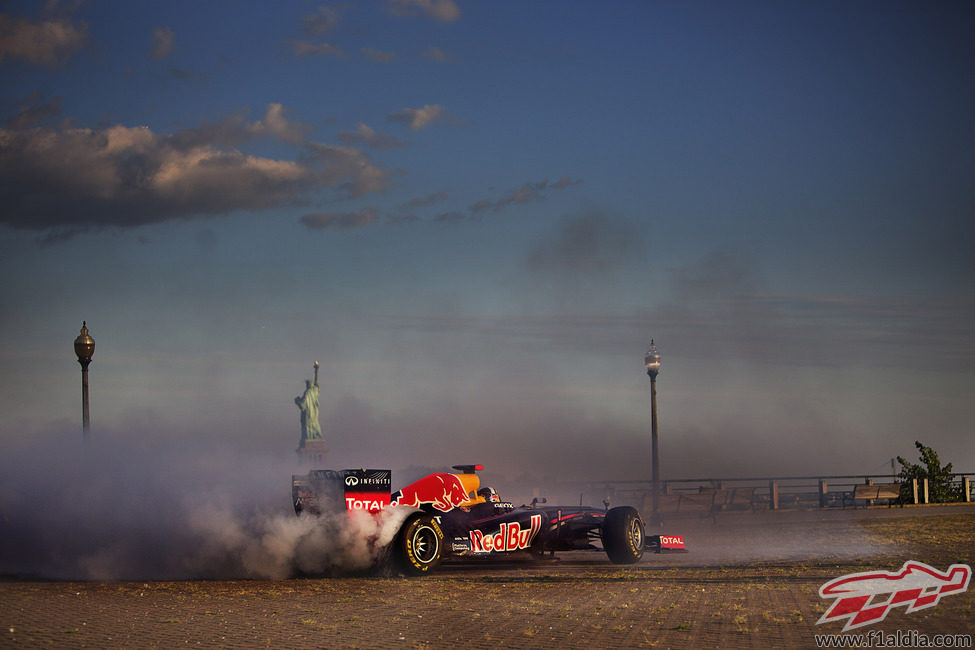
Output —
(308, 405)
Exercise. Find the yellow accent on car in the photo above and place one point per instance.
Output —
(471, 484)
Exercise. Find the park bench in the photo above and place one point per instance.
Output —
(870, 493)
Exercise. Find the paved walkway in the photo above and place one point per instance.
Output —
(750, 581)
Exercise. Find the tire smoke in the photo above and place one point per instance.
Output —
(132, 510)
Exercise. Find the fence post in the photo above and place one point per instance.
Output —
(926, 491)
(967, 483)
(914, 487)
(773, 495)
(823, 489)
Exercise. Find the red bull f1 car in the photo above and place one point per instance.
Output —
(451, 515)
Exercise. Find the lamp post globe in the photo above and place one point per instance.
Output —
(652, 362)
(84, 348)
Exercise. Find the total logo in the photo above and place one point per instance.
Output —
(511, 537)
(366, 501)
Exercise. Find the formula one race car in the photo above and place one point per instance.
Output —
(450, 515)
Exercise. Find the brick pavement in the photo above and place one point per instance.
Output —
(701, 599)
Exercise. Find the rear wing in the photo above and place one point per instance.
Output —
(326, 490)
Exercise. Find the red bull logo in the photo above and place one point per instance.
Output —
(916, 586)
(443, 491)
(511, 537)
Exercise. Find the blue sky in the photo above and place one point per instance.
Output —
(476, 215)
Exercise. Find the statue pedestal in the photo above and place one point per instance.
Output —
(312, 452)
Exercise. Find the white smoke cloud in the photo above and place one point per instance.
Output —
(128, 510)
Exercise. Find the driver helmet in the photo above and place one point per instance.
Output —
(489, 494)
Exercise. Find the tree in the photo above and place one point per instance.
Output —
(941, 488)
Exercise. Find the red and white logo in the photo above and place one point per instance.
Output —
(511, 537)
(916, 586)
(369, 501)
(672, 541)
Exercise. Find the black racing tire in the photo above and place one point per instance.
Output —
(419, 545)
(623, 535)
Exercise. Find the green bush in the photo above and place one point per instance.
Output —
(941, 488)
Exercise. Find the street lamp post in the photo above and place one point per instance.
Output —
(84, 347)
(652, 362)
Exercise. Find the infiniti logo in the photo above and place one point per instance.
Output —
(351, 480)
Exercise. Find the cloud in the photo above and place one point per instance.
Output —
(564, 182)
(450, 217)
(591, 242)
(405, 212)
(307, 48)
(70, 180)
(347, 168)
(441, 10)
(342, 221)
(526, 193)
(234, 130)
(277, 125)
(378, 56)
(369, 137)
(420, 118)
(324, 19)
(721, 274)
(422, 201)
(187, 75)
(401, 218)
(438, 55)
(48, 42)
(35, 111)
(162, 43)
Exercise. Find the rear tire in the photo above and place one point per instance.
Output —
(418, 547)
(623, 535)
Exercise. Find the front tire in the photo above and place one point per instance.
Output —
(623, 535)
(419, 545)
